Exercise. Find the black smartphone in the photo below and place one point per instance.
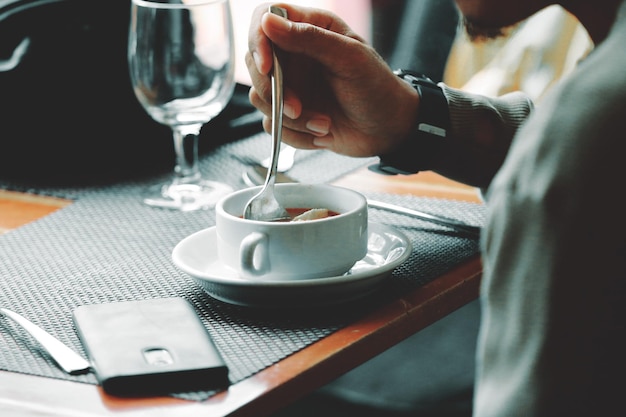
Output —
(150, 347)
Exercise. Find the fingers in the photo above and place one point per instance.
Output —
(299, 131)
(261, 97)
(320, 18)
(299, 68)
(297, 139)
(317, 33)
(259, 46)
(260, 81)
(292, 136)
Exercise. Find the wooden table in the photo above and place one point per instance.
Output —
(282, 383)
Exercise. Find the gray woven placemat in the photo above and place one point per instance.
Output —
(106, 247)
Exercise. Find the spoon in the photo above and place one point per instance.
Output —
(264, 205)
(66, 358)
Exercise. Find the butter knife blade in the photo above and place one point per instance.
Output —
(440, 220)
(66, 358)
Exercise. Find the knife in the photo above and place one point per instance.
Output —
(66, 358)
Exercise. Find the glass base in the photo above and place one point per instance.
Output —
(202, 195)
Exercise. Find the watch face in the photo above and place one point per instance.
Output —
(413, 76)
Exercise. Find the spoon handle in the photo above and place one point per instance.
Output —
(70, 361)
(277, 104)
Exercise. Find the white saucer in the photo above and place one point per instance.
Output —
(197, 256)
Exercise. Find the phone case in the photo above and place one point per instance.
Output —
(149, 347)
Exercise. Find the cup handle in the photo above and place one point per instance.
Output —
(255, 244)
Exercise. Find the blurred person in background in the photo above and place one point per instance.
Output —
(530, 56)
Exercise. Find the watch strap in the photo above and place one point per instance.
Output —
(427, 141)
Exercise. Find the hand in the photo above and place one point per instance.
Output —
(339, 93)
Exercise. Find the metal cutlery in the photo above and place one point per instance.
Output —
(264, 205)
(440, 220)
(253, 176)
(70, 361)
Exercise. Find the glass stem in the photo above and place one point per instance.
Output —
(186, 170)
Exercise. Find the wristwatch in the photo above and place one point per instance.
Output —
(428, 140)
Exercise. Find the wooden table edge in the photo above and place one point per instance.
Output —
(381, 329)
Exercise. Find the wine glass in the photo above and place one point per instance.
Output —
(181, 62)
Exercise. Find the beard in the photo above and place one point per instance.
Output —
(480, 32)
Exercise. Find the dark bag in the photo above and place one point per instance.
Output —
(68, 109)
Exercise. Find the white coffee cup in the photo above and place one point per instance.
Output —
(293, 250)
